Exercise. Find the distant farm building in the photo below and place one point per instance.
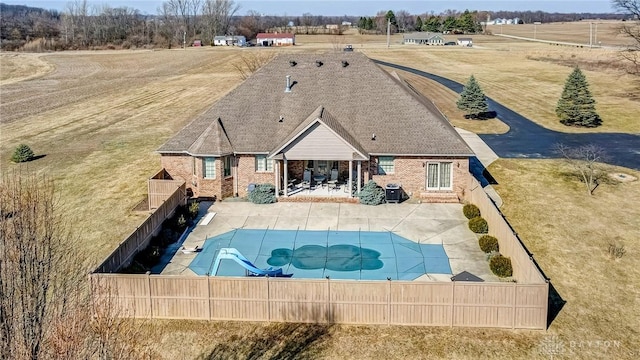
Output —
(276, 39)
(465, 41)
(423, 38)
(229, 41)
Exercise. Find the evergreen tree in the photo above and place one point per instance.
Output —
(22, 153)
(418, 26)
(467, 22)
(362, 23)
(432, 24)
(369, 24)
(576, 107)
(449, 24)
(472, 99)
(392, 18)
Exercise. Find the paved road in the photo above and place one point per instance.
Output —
(527, 139)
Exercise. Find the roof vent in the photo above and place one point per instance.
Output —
(318, 63)
(373, 136)
(281, 118)
(345, 63)
(288, 89)
(292, 63)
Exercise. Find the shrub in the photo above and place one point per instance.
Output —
(263, 194)
(470, 211)
(22, 153)
(616, 251)
(488, 244)
(501, 266)
(372, 194)
(478, 225)
(194, 207)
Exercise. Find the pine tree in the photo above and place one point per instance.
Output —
(22, 153)
(418, 26)
(576, 106)
(472, 99)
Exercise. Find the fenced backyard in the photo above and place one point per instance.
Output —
(521, 304)
(500, 305)
(166, 198)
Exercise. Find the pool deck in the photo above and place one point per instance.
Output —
(423, 223)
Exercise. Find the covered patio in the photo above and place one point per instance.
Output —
(319, 159)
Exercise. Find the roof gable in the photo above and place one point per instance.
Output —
(320, 135)
(275, 36)
(212, 142)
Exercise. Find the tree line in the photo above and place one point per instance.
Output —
(177, 22)
(467, 22)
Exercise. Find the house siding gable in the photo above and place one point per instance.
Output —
(318, 143)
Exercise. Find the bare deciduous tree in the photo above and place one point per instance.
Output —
(46, 310)
(217, 16)
(631, 30)
(33, 239)
(405, 20)
(586, 160)
(251, 62)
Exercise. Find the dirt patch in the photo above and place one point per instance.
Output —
(586, 64)
(622, 177)
(19, 67)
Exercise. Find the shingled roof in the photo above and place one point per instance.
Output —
(361, 98)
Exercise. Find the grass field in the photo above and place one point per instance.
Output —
(606, 33)
(99, 116)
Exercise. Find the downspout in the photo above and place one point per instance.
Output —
(235, 176)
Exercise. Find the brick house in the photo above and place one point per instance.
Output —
(313, 117)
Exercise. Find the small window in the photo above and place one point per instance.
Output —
(263, 164)
(385, 165)
(209, 168)
(227, 166)
(439, 176)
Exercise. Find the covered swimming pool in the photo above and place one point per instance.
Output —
(361, 255)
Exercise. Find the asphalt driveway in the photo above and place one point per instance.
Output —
(526, 139)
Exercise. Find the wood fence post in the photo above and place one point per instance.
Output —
(268, 300)
(515, 298)
(389, 301)
(453, 301)
(329, 312)
(208, 279)
(149, 295)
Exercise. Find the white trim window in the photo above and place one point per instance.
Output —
(439, 176)
(386, 165)
(209, 168)
(263, 164)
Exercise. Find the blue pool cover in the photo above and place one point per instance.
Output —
(361, 255)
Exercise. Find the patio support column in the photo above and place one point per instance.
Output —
(277, 175)
(350, 178)
(359, 175)
(286, 175)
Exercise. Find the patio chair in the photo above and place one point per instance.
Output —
(334, 174)
(307, 175)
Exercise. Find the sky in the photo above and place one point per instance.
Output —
(355, 7)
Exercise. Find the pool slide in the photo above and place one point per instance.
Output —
(235, 255)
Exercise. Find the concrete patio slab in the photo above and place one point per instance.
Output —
(422, 223)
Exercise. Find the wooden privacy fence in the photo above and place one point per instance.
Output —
(160, 187)
(524, 268)
(465, 304)
(140, 237)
